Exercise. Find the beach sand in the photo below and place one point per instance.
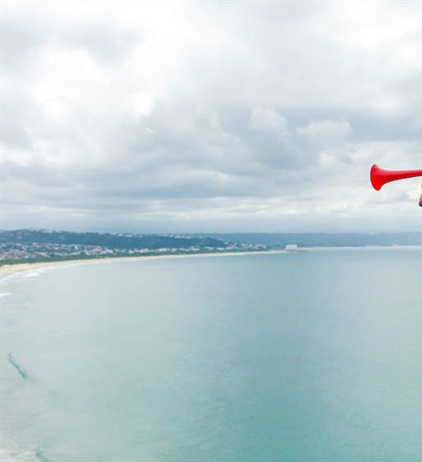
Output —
(8, 270)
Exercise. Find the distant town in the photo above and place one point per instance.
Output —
(31, 245)
(43, 245)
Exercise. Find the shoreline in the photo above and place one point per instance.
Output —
(10, 270)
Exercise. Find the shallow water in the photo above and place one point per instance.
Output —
(277, 357)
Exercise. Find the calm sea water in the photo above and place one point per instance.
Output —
(311, 356)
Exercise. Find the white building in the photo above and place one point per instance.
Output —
(291, 248)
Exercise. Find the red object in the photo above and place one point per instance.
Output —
(379, 176)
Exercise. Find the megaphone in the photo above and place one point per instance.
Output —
(379, 176)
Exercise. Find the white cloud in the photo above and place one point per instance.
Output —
(326, 131)
(268, 119)
(148, 112)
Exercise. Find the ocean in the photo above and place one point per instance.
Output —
(295, 357)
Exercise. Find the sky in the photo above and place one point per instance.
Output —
(211, 116)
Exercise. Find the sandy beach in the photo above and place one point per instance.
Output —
(9, 270)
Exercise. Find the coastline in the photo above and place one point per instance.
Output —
(10, 270)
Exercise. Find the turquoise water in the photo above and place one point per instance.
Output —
(310, 356)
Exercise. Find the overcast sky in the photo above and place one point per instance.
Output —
(210, 116)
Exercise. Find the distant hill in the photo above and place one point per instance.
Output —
(28, 245)
(113, 241)
(43, 245)
(280, 240)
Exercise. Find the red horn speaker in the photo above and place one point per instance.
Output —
(379, 176)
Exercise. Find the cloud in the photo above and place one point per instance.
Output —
(269, 120)
(326, 131)
(135, 116)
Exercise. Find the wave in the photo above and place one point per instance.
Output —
(32, 274)
(17, 366)
(11, 455)
(12, 451)
(25, 275)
